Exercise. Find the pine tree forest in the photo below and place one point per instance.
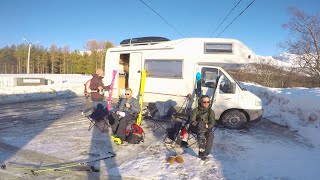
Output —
(54, 59)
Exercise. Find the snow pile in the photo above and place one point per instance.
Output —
(297, 108)
(62, 86)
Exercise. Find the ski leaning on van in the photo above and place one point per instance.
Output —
(141, 94)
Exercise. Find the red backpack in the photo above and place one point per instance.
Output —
(135, 134)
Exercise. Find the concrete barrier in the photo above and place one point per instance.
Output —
(30, 81)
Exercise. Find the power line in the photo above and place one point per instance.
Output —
(162, 18)
(225, 18)
(237, 17)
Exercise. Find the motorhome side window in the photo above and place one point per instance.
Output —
(163, 68)
(210, 48)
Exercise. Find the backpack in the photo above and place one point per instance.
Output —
(135, 134)
(94, 83)
(87, 89)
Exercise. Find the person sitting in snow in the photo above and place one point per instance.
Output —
(202, 120)
(97, 87)
(128, 111)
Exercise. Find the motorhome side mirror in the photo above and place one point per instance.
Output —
(210, 84)
(233, 87)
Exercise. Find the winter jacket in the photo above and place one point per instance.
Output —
(204, 115)
(134, 106)
(96, 81)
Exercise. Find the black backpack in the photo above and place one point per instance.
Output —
(135, 134)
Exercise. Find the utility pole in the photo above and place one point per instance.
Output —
(28, 62)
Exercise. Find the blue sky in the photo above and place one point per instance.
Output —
(74, 22)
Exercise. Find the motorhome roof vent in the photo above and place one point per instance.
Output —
(143, 41)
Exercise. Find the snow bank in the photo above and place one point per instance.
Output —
(297, 108)
(62, 86)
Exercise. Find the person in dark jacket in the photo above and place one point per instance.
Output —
(128, 111)
(97, 87)
(202, 120)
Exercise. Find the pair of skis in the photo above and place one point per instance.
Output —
(114, 74)
(65, 167)
(198, 90)
(141, 94)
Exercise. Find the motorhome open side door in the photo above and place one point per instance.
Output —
(135, 72)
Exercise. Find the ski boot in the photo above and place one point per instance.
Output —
(116, 139)
(202, 142)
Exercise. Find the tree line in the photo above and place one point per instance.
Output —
(53, 60)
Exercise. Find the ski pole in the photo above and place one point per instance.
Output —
(92, 168)
(73, 165)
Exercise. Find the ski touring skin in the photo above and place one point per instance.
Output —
(114, 74)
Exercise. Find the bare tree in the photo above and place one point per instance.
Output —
(93, 47)
(304, 41)
(104, 46)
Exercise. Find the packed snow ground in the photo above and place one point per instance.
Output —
(243, 154)
(297, 108)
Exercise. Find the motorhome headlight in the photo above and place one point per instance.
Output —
(258, 103)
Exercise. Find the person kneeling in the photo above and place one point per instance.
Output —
(202, 120)
(128, 111)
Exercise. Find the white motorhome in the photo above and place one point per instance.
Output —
(171, 68)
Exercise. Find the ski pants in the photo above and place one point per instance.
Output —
(201, 130)
(119, 124)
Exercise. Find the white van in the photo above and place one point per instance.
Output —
(171, 68)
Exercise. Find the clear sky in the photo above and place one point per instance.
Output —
(74, 22)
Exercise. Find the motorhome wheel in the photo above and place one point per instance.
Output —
(234, 119)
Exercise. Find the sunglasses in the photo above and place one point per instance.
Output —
(205, 102)
(127, 94)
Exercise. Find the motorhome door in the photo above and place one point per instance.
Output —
(135, 65)
(225, 96)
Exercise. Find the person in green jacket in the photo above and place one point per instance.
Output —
(202, 120)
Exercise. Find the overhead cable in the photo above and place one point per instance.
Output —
(236, 17)
(225, 18)
(162, 18)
